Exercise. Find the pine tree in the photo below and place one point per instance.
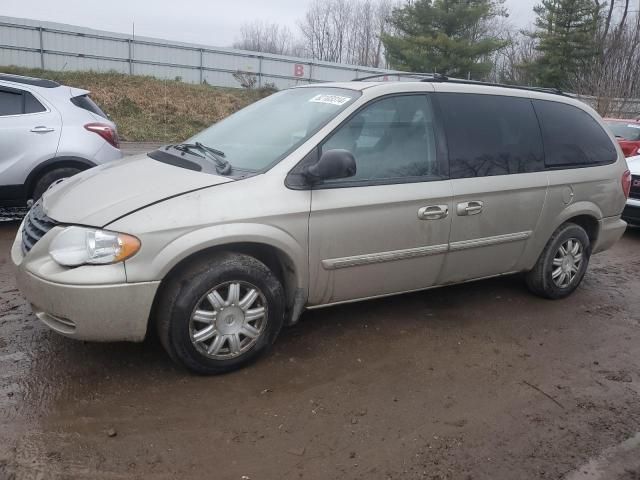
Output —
(566, 31)
(444, 36)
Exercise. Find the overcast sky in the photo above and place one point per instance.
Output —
(210, 22)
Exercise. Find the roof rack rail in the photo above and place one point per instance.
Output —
(555, 91)
(434, 76)
(437, 77)
(36, 82)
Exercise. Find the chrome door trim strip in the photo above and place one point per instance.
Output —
(382, 257)
(489, 241)
(395, 255)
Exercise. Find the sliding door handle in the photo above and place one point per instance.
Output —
(469, 208)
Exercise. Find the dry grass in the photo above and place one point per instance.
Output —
(148, 109)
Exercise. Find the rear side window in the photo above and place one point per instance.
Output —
(18, 103)
(572, 138)
(10, 103)
(86, 103)
(490, 135)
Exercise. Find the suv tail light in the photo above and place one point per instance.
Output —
(105, 131)
(626, 183)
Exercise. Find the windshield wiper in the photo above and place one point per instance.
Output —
(222, 165)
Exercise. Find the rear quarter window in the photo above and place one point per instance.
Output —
(86, 103)
(572, 137)
(31, 105)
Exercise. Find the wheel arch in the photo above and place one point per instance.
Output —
(585, 214)
(53, 164)
(279, 252)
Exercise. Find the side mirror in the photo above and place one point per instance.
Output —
(333, 164)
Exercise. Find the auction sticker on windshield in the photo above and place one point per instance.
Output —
(330, 99)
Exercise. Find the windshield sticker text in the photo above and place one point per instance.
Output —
(330, 99)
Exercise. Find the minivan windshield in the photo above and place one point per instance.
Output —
(263, 133)
(625, 130)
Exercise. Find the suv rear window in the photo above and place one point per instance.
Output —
(86, 103)
(572, 137)
(490, 135)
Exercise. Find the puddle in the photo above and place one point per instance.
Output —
(614, 463)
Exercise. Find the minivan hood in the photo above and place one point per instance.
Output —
(102, 194)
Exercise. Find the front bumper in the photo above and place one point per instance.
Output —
(83, 303)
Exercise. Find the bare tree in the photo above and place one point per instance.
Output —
(614, 77)
(610, 80)
(346, 31)
(325, 29)
(512, 63)
(265, 37)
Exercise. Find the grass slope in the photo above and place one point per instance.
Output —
(148, 109)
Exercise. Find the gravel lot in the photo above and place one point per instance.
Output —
(478, 381)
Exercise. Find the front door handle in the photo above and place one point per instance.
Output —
(433, 212)
(42, 129)
(469, 208)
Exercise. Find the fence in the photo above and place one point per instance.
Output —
(55, 46)
(614, 107)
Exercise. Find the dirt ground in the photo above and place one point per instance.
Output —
(478, 381)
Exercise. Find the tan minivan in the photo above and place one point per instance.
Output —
(320, 195)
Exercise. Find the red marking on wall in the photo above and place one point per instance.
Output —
(298, 70)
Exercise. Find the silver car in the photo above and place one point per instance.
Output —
(48, 132)
(320, 195)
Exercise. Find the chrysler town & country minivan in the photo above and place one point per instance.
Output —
(320, 195)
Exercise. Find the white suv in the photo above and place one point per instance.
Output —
(48, 132)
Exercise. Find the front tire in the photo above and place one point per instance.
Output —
(562, 264)
(220, 313)
(49, 178)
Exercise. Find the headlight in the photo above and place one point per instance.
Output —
(76, 246)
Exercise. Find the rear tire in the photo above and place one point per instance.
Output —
(220, 313)
(562, 264)
(49, 178)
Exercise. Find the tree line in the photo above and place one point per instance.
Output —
(342, 31)
(590, 47)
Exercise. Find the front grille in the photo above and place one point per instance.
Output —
(36, 224)
(635, 187)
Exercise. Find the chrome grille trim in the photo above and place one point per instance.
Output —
(36, 225)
